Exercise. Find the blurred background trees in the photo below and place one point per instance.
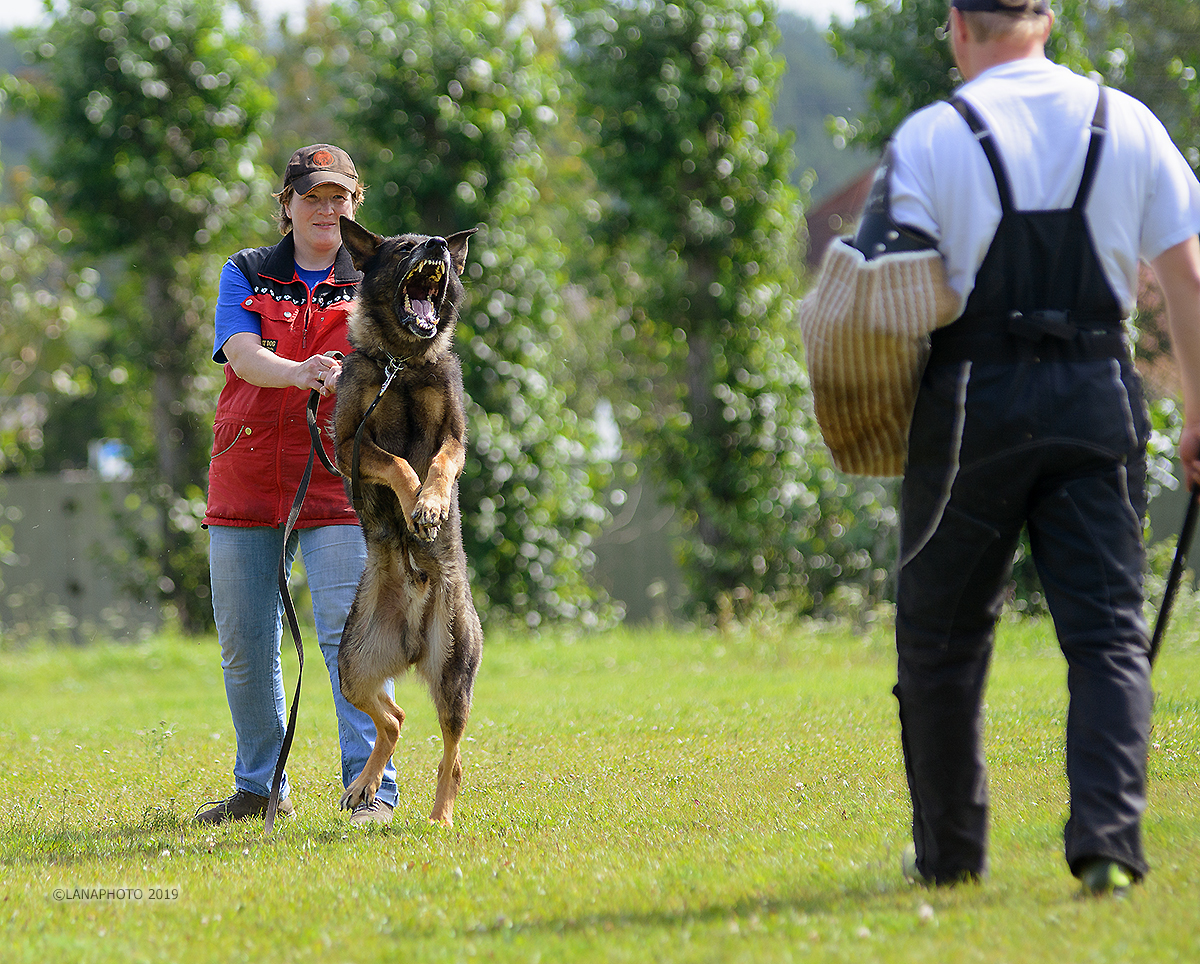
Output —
(153, 113)
(631, 291)
(695, 206)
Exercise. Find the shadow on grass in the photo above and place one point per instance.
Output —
(822, 899)
(32, 839)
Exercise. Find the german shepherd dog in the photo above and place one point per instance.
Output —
(413, 607)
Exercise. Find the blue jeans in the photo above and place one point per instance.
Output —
(244, 568)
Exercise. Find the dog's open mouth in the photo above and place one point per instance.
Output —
(421, 295)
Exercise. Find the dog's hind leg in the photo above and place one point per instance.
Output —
(362, 671)
(449, 776)
(388, 718)
(452, 696)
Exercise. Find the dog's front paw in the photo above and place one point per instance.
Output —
(428, 517)
(425, 532)
(356, 795)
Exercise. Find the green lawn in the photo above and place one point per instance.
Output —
(637, 795)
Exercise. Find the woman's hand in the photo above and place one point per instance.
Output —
(262, 367)
(319, 374)
(1189, 454)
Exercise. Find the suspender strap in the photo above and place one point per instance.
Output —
(1095, 145)
(986, 141)
(1099, 128)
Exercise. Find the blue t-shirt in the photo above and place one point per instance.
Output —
(232, 318)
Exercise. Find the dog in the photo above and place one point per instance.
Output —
(413, 606)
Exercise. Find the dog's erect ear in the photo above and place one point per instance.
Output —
(360, 242)
(457, 243)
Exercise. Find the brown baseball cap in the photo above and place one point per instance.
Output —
(320, 164)
(1001, 6)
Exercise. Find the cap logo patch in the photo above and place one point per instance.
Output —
(322, 159)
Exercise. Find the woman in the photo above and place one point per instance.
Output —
(281, 317)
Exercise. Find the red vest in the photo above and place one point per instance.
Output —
(261, 441)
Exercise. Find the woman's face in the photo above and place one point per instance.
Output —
(316, 216)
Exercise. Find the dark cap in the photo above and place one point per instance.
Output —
(1001, 6)
(320, 164)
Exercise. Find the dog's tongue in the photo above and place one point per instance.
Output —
(423, 309)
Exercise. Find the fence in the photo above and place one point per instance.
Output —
(60, 581)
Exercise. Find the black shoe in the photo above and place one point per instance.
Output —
(1101, 878)
(240, 806)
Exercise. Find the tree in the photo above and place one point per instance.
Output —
(702, 228)
(445, 108)
(815, 86)
(155, 108)
(44, 306)
(1151, 49)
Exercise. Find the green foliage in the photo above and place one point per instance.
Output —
(902, 48)
(154, 107)
(702, 227)
(815, 87)
(45, 307)
(1151, 49)
(46, 310)
(446, 108)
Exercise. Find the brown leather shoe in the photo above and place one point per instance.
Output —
(242, 805)
(374, 812)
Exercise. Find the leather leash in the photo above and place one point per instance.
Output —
(289, 608)
(1181, 553)
(393, 368)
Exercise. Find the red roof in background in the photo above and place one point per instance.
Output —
(836, 215)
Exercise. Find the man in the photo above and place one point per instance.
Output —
(1042, 195)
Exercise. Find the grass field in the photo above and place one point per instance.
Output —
(631, 796)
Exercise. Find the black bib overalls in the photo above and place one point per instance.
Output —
(1030, 414)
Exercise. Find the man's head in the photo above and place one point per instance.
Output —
(984, 33)
(308, 169)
